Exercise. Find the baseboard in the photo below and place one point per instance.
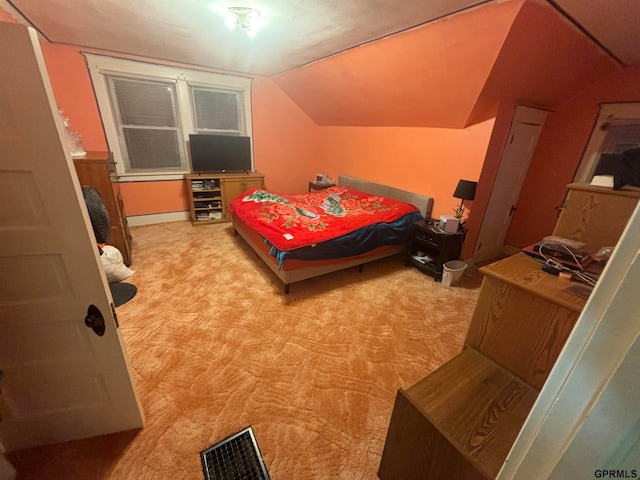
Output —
(137, 220)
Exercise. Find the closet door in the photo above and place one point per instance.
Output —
(522, 140)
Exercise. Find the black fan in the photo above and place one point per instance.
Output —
(98, 214)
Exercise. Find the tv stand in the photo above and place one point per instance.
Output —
(209, 194)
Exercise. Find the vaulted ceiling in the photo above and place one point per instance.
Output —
(453, 72)
(438, 63)
(294, 32)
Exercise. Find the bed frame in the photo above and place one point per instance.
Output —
(310, 269)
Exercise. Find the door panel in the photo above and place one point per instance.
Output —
(522, 141)
(61, 381)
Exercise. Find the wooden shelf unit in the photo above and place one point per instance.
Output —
(210, 194)
(97, 169)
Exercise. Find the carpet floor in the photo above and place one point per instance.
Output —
(216, 346)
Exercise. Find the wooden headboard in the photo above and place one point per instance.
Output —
(423, 202)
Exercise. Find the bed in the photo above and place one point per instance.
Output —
(266, 220)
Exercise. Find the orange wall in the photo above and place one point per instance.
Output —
(74, 93)
(141, 198)
(559, 152)
(423, 160)
(543, 61)
(145, 198)
(286, 141)
(430, 76)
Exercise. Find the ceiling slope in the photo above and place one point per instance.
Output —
(193, 32)
(615, 24)
(544, 60)
(430, 76)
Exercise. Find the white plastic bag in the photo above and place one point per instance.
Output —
(113, 264)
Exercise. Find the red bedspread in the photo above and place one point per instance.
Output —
(300, 220)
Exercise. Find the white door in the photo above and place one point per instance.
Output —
(522, 140)
(61, 379)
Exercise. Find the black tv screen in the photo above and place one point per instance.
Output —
(219, 153)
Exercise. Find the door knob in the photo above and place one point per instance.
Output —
(95, 320)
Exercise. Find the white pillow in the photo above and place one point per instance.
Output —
(114, 265)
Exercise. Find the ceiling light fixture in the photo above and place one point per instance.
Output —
(244, 17)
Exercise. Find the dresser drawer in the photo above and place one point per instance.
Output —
(429, 237)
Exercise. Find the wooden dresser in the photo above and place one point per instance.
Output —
(595, 215)
(97, 169)
(460, 421)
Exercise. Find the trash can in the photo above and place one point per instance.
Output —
(452, 272)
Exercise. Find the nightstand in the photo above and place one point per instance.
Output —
(320, 186)
(431, 248)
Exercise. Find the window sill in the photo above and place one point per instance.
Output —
(151, 177)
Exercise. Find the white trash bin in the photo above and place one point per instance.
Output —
(452, 272)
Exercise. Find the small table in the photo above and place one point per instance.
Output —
(431, 248)
(320, 186)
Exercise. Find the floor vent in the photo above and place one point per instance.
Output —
(234, 458)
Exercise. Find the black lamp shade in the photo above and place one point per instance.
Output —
(466, 190)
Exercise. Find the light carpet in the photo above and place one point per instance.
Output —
(215, 346)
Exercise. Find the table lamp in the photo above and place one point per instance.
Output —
(466, 190)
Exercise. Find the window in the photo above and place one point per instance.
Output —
(621, 135)
(146, 116)
(617, 129)
(216, 111)
(148, 112)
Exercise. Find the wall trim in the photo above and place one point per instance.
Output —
(137, 220)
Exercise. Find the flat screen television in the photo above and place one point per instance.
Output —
(219, 153)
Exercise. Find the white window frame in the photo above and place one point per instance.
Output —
(100, 66)
(609, 112)
(120, 128)
(241, 115)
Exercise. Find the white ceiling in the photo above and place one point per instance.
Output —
(295, 32)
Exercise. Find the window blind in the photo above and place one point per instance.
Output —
(621, 137)
(216, 111)
(148, 124)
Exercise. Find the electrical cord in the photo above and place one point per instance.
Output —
(579, 274)
(575, 259)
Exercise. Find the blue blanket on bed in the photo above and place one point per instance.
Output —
(355, 243)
